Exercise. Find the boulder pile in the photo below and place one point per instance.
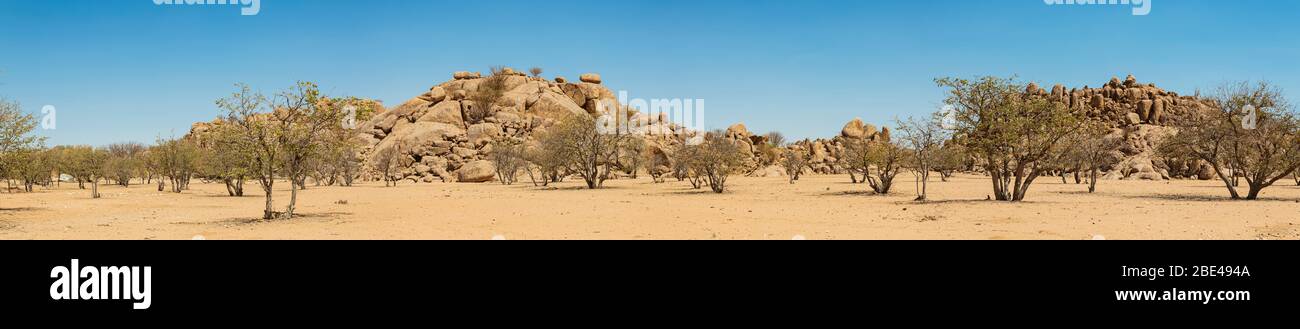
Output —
(437, 141)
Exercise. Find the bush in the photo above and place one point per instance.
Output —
(508, 157)
(712, 162)
(584, 148)
(1016, 136)
(1250, 134)
(794, 161)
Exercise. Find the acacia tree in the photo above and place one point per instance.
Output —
(949, 159)
(888, 159)
(1250, 133)
(226, 158)
(338, 160)
(794, 160)
(923, 139)
(508, 158)
(590, 149)
(879, 162)
(16, 136)
(95, 161)
(74, 163)
(260, 136)
(1093, 150)
(33, 166)
(1016, 136)
(177, 159)
(386, 163)
(712, 161)
(302, 123)
(543, 165)
(125, 161)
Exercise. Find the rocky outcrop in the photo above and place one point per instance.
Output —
(438, 142)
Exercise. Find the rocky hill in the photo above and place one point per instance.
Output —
(438, 141)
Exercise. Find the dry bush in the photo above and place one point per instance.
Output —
(178, 160)
(949, 159)
(125, 161)
(586, 149)
(879, 162)
(508, 155)
(794, 160)
(386, 162)
(483, 102)
(631, 156)
(657, 165)
(923, 139)
(1251, 133)
(1092, 151)
(536, 71)
(713, 161)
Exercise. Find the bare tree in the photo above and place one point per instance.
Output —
(923, 138)
(536, 71)
(1251, 133)
(386, 162)
(1093, 150)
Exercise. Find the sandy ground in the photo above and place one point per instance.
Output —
(819, 207)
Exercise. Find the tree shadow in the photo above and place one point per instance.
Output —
(1204, 198)
(20, 209)
(245, 221)
(692, 192)
(854, 193)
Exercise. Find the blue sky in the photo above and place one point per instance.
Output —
(127, 70)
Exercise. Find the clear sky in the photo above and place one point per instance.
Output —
(128, 70)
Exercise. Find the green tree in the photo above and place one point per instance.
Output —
(1016, 136)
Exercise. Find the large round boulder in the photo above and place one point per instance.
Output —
(481, 171)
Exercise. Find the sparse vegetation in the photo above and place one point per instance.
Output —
(508, 158)
(585, 149)
(1015, 136)
(1251, 134)
(794, 160)
(484, 101)
(712, 162)
(386, 163)
(923, 139)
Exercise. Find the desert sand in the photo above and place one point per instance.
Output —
(817, 208)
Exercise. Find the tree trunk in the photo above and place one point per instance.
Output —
(1255, 189)
(293, 200)
(94, 189)
(1228, 181)
(1092, 181)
